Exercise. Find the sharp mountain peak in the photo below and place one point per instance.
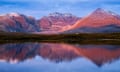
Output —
(104, 11)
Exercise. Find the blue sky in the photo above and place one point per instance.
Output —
(39, 8)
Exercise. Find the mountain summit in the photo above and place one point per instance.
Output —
(102, 11)
(14, 14)
(56, 21)
(15, 22)
(99, 18)
(96, 21)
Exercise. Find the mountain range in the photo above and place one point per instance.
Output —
(15, 22)
(56, 21)
(99, 21)
(97, 54)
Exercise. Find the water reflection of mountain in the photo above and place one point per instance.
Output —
(98, 54)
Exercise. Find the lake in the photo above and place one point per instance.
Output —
(59, 57)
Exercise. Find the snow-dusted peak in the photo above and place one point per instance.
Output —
(112, 13)
(99, 10)
(2, 14)
(103, 11)
(55, 14)
(68, 14)
(14, 14)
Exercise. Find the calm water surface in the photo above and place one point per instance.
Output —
(55, 57)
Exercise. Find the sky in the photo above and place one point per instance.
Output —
(39, 8)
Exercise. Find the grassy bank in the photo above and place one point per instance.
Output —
(83, 38)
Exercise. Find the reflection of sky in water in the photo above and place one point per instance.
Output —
(40, 65)
(75, 58)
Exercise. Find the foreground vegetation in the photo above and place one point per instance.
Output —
(83, 38)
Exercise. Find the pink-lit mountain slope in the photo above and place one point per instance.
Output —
(15, 22)
(56, 21)
(98, 21)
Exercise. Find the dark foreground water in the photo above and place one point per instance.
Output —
(53, 57)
